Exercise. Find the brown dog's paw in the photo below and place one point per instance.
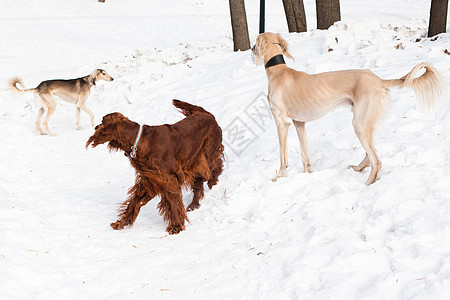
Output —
(117, 225)
(174, 229)
(193, 206)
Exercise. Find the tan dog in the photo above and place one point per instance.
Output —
(73, 90)
(304, 97)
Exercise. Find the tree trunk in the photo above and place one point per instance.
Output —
(438, 17)
(328, 12)
(300, 16)
(295, 15)
(289, 12)
(239, 25)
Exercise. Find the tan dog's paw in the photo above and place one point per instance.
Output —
(356, 168)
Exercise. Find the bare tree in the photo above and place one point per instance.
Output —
(239, 25)
(328, 12)
(438, 17)
(295, 15)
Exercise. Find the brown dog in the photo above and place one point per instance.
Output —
(166, 158)
(303, 97)
(73, 90)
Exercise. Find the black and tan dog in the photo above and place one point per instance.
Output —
(72, 90)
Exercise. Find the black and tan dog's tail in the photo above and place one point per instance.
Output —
(186, 108)
(13, 86)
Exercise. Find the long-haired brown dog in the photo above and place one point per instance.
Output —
(166, 158)
(306, 97)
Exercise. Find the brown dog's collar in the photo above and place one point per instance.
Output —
(134, 148)
(276, 60)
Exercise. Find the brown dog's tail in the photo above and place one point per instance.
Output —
(186, 108)
(428, 86)
(13, 86)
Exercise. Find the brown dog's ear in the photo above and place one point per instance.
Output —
(107, 130)
(112, 118)
(284, 47)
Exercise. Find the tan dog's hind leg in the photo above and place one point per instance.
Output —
(365, 116)
(51, 107)
(375, 163)
(364, 164)
(40, 102)
(301, 132)
(38, 121)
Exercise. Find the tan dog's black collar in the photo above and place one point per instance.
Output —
(276, 60)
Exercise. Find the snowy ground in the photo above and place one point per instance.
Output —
(323, 235)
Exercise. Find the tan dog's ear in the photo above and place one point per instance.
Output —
(93, 76)
(261, 45)
(284, 47)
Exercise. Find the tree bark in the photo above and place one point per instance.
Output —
(438, 17)
(328, 12)
(295, 15)
(290, 18)
(239, 25)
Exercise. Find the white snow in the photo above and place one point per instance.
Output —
(323, 235)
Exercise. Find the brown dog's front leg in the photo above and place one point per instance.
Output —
(119, 224)
(173, 211)
(139, 196)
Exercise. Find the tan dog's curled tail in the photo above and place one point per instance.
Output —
(14, 89)
(429, 86)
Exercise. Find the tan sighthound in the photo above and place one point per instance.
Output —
(304, 97)
(73, 90)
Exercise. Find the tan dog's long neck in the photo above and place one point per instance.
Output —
(90, 80)
(274, 60)
(272, 50)
(274, 57)
(275, 71)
